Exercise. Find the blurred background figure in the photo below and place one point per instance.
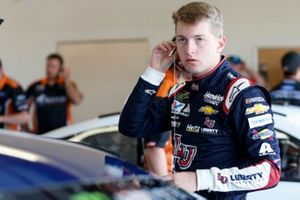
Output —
(288, 91)
(246, 71)
(50, 98)
(13, 105)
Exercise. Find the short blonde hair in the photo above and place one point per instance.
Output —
(196, 11)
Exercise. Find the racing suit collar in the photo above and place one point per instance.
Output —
(222, 60)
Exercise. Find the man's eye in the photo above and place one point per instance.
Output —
(199, 39)
(181, 40)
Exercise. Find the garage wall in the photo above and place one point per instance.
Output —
(33, 28)
(104, 72)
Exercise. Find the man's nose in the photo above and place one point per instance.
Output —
(190, 47)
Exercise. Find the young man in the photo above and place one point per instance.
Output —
(52, 97)
(222, 125)
(288, 91)
(13, 105)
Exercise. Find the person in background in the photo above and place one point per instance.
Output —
(240, 66)
(51, 97)
(13, 105)
(288, 91)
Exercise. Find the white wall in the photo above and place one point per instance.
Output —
(33, 27)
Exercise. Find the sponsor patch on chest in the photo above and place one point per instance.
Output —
(208, 110)
(214, 99)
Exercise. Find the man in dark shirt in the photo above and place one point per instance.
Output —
(52, 97)
(288, 91)
(13, 106)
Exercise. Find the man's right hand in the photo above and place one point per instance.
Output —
(161, 57)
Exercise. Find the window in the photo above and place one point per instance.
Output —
(115, 143)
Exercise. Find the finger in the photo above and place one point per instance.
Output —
(162, 47)
(169, 45)
(173, 43)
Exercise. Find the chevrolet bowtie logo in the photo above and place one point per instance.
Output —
(208, 110)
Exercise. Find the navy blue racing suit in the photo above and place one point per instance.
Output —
(222, 127)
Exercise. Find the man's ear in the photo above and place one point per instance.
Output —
(221, 43)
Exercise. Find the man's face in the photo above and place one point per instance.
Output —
(198, 48)
(53, 68)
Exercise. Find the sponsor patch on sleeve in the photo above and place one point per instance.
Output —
(262, 135)
(259, 121)
(266, 149)
(254, 100)
(257, 109)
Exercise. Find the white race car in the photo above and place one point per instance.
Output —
(103, 133)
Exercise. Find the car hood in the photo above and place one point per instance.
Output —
(74, 129)
(286, 119)
(28, 160)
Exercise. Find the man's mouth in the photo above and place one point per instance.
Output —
(191, 60)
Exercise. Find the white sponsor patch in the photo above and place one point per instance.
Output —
(260, 120)
(266, 149)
